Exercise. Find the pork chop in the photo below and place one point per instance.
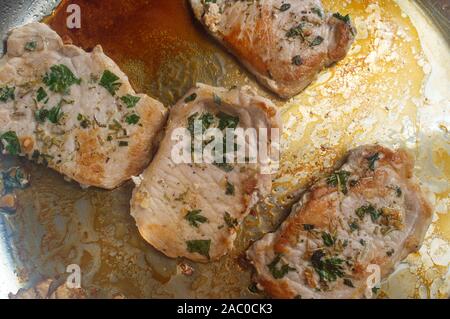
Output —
(74, 111)
(370, 212)
(193, 210)
(285, 44)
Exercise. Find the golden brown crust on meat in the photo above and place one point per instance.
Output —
(90, 162)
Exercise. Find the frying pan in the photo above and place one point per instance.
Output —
(59, 224)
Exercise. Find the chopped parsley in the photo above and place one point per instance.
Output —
(229, 189)
(7, 93)
(279, 272)
(123, 143)
(110, 82)
(328, 240)
(296, 31)
(341, 17)
(206, 119)
(194, 218)
(55, 114)
(349, 283)
(132, 119)
(41, 115)
(368, 210)
(230, 221)
(297, 60)
(308, 227)
(60, 79)
(328, 269)
(372, 161)
(317, 11)
(227, 121)
(317, 41)
(353, 225)
(41, 94)
(390, 252)
(130, 101)
(199, 246)
(191, 98)
(31, 46)
(285, 7)
(339, 179)
(10, 143)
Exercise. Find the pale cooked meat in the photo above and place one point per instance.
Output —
(284, 43)
(73, 110)
(193, 210)
(371, 211)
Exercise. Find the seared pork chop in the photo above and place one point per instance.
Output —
(74, 111)
(369, 212)
(193, 210)
(284, 43)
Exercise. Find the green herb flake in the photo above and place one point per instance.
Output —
(328, 240)
(41, 94)
(201, 247)
(227, 121)
(191, 98)
(123, 143)
(368, 210)
(308, 227)
(317, 41)
(130, 101)
(296, 31)
(41, 115)
(110, 82)
(7, 93)
(373, 160)
(31, 46)
(55, 114)
(297, 60)
(348, 283)
(11, 143)
(230, 221)
(194, 218)
(339, 179)
(328, 269)
(341, 17)
(353, 226)
(279, 272)
(132, 119)
(229, 189)
(285, 7)
(317, 11)
(60, 79)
